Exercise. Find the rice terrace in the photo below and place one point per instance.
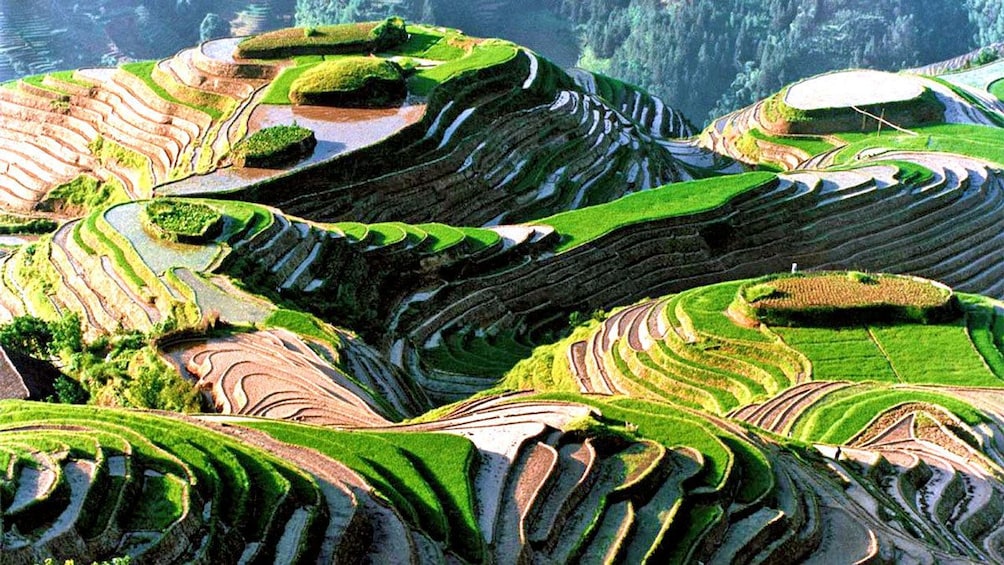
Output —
(385, 292)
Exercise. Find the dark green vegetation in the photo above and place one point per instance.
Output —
(118, 370)
(86, 192)
(273, 146)
(726, 40)
(11, 224)
(352, 82)
(178, 220)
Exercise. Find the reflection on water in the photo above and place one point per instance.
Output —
(338, 130)
(222, 49)
(13, 240)
(159, 254)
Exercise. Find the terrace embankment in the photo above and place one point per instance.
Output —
(481, 136)
(930, 230)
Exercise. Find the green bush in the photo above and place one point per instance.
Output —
(178, 220)
(10, 224)
(86, 192)
(352, 82)
(862, 278)
(760, 292)
(985, 56)
(389, 34)
(273, 146)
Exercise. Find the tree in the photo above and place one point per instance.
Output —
(28, 335)
(213, 27)
(67, 335)
(69, 391)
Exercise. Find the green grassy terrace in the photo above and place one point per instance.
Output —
(213, 105)
(485, 54)
(813, 145)
(322, 40)
(427, 476)
(997, 89)
(981, 142)
(581, 226)
(669, 425)
(842, 414)
(239, 480)
(452, 53)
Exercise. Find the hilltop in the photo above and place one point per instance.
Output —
(386, 289)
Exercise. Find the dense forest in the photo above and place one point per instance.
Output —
(707, 57)
(38, 36)
(703, 56)
(714, 55)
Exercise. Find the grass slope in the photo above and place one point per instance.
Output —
(580, 226)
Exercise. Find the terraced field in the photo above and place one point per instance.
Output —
(528, 315)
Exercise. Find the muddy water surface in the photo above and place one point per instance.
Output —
(338, 131)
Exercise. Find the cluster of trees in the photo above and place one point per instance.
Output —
(118, 370)
(708, 57)
(46, 35)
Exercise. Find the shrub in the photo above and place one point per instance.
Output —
(69, 391)
(862, 278)
(389, 34)
(985, 56)
(86, 192)
(273, 146)
(178, 220)
(10, 224)
(760, 292)
(776, 110)
(352, 81)
(28, 335)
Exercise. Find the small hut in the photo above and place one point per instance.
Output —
(25, 378)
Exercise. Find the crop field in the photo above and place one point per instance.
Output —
(848, 291)
(581, 226)
(320, 38)
(214, 107)
(521, 315)
(973, 140)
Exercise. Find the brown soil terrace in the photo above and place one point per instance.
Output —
(840, 291)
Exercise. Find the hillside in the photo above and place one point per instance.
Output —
(388, 292)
